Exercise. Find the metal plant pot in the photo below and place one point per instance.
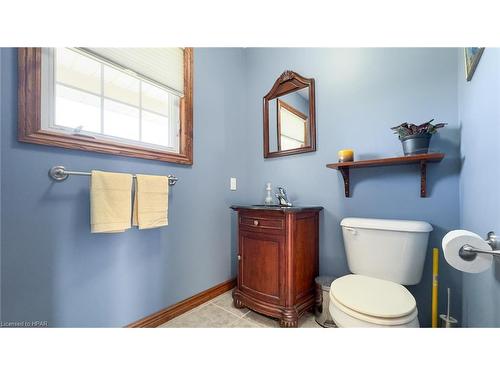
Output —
(416, 144)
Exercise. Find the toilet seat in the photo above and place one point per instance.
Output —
(362, 301)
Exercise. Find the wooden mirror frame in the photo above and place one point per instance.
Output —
(287, 83)
(30, 127)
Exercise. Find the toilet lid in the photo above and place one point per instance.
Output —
(371, 296)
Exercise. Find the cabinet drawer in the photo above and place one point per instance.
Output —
(254, 222)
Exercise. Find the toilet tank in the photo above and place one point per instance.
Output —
(391, 250)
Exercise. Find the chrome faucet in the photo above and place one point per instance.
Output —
(282, 197)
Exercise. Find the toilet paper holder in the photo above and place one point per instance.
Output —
(468, 252)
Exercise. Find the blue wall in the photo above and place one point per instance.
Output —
(360, 94)
(479, 115)
(54, 269)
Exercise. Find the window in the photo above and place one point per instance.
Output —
(130, 101)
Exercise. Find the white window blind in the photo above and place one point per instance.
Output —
(87, 95)
(161, 65)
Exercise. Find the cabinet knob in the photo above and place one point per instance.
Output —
(239, 257)
(256, 222)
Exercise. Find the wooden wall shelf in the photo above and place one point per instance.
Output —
(421, 159)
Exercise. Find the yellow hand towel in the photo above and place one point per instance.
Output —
(110, 202)
(150, 201)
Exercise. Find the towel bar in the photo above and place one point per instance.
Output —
(59, 173)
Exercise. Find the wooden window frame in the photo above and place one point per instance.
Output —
(30, 126)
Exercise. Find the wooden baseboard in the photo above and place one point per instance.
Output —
(158, 318)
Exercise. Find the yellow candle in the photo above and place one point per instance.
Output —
(346, 155)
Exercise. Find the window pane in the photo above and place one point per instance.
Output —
(154, 99)
(155, 129)
(121, 120)
(175, 122)
(121, 86)
(77, 70)
(75, 108)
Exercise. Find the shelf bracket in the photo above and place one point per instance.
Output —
(345, 174)
(423, 179)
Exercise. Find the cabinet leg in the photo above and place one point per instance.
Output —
(289, 319)
(236, 301)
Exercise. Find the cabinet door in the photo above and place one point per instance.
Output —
(260, 265)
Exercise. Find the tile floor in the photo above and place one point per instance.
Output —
(220, 313)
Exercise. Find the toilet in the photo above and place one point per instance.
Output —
(383, 255)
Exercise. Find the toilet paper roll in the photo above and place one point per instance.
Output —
(452, 243)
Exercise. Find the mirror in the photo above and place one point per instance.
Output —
(289, 117)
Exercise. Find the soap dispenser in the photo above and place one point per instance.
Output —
(269, 198)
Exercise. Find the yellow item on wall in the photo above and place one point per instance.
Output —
(435, 269)
(346, 155)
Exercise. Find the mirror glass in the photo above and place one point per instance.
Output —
(289, 125)
(289, 116)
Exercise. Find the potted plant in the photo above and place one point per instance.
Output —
(415, 138)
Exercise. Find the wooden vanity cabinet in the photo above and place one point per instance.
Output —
(277, 260)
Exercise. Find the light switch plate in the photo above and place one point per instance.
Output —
(232, 184)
